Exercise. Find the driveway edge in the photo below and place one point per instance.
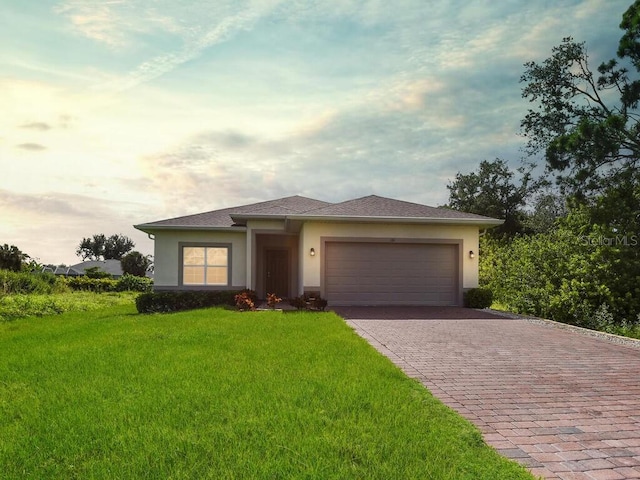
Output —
(611, 337)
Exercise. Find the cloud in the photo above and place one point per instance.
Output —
(42, 126)
(32, 147)
(213, 25)
(52, 204)
(99, 20)
(50, 225)
(399, 144)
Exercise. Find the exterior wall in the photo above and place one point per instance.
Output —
(313, 232)
(167, 255)
(244, 247)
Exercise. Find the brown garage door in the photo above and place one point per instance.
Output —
(363, 273)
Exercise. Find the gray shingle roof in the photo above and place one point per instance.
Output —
(110, 266)
(299, 207)
(222, 218)
(375, 206)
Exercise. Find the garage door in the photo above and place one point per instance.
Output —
(363, 273)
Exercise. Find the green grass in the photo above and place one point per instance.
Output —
(36, 305)
(223, 395)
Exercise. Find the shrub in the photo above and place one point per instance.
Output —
(175, 301)
(298, 302)
(567, 273)
(318, 303)
(244, 302)
(87, 284)
(30, 282)
(97, 272)
(273, 300)
(134, 283)
(478, 298)
(309, 302)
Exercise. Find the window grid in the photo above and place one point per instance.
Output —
(205, 266)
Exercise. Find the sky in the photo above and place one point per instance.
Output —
(120, 112)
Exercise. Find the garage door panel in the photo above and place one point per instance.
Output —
(369, 273)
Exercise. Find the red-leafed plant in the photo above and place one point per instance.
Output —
(244, 301)
(273, 300)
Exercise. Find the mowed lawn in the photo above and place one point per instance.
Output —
(220, 394)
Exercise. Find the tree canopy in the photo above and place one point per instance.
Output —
(135, 263)
(11, 258)
(492, 191)
(101, 247)
(585, 123)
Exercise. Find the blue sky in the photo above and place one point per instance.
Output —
(117, 112)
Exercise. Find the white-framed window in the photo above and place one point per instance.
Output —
(205, 265)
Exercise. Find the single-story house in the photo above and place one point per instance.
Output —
(113, 267)
(367, 251)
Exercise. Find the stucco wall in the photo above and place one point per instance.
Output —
(312, 233)
(167, 254)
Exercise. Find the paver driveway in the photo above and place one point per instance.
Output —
(563, 403)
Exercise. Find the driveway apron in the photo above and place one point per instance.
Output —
(562, 401)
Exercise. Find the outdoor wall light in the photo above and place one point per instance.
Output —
(471, 254)
(312, 252)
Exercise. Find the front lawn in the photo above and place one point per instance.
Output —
(220, 394)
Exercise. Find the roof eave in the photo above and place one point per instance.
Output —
(481, 222)
(155, 228)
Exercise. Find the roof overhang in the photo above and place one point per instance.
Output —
(483, 222)
(294, 222)
(161, 228)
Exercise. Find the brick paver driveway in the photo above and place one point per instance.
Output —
(564, 403)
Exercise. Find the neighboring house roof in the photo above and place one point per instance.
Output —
(68, 271)
(370, 208)
(112, 267)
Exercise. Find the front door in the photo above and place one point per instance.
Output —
(277, 272)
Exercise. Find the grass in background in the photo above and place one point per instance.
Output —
(36, 305)
(220, 394)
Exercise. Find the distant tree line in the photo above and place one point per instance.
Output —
(97, 247)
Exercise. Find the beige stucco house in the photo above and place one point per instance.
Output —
(368, 251)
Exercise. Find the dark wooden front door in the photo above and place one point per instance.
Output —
(277, 272)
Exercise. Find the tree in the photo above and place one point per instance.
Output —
(547, 208)
(100, 247)
(586, 124)
(492, 191)
(11, 258)
(135, 263)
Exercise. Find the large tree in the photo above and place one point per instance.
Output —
(11, 258)
(493, 191)
(101, 247)
(586, 123)
(135, 263)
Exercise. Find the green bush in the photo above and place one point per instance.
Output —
(175, 301)
(132, 283)
(97, 272)
(30, 282)
(478, 298)
(309, 302)
(566, 274)
(86, 284)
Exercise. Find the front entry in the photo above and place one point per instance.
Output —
(277, 272)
